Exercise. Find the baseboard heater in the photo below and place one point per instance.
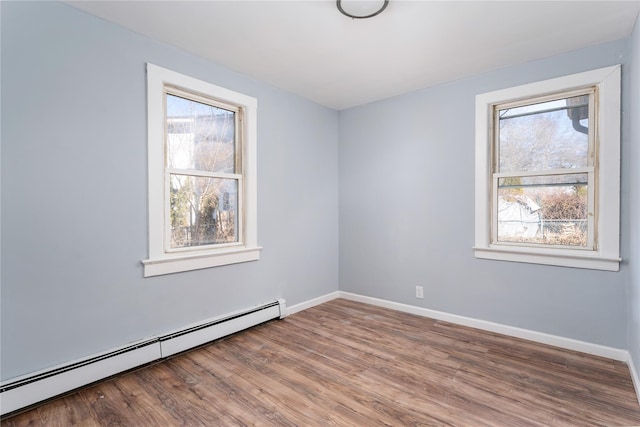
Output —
(20, 393)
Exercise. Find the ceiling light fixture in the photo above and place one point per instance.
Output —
(360, 9)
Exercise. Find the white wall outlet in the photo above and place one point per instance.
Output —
(419, 292)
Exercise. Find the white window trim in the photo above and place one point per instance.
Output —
(607, 254)
(160, 261)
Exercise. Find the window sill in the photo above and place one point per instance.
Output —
(558, 257)
(176, 263)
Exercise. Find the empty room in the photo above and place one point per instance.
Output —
(310, 213)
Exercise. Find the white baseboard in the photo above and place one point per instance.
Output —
(45, 384)
(634, 377)
(554, 340)
(312, 302)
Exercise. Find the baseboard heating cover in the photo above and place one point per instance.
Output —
(19, 393)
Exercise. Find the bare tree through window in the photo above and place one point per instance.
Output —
(542, 164)
(203, 178)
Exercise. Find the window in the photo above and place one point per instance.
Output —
(202, 174)
(548, 172)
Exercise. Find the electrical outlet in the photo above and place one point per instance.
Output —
(419, 292)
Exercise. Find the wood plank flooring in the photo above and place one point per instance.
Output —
(344, 363)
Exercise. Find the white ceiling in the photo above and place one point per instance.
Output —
(309, 48)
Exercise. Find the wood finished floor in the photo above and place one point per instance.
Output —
(349, 364)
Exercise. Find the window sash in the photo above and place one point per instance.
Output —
(593, 120)
(591, 170)
(167, 211)
(203, 99)
(193, 96)
(555, 96)
(238, 150)
(591, 217)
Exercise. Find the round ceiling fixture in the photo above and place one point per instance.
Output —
(360, 9)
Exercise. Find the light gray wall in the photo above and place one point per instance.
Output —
(74, 193)
(74, 210)
(633, 331)
(407, 213)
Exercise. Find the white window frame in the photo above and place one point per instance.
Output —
(163, 260)
(605, 255)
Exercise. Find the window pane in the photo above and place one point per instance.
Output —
(543, 136)
(204, 211)
(543, 209)
(199, 136)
